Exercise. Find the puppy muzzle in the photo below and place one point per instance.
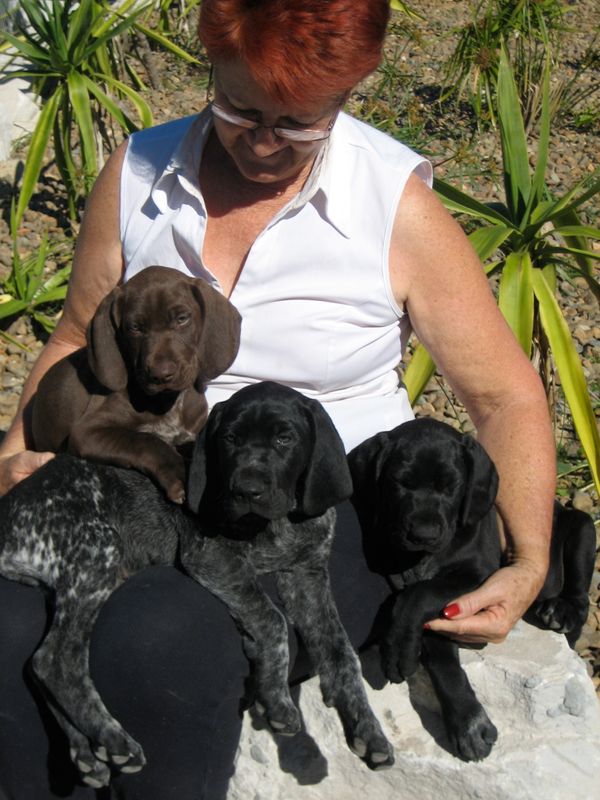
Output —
(252, 492)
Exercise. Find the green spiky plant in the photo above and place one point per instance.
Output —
(529, 240)
(531, 26)
(67, 48)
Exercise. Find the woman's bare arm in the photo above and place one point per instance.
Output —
(437, 276)
(97, 268)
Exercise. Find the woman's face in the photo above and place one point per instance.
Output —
(261, 155)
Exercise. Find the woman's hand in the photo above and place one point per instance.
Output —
(17, 466)
(489, 613)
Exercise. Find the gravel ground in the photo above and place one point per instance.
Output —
(468, 159)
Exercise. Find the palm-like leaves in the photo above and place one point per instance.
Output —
(68, 48)
(532, 237)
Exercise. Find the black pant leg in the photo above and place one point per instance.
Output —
(168, 663)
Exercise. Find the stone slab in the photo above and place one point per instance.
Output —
(536, 691)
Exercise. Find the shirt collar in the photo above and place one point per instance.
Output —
(328, 185)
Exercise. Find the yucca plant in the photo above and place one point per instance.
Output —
(531, 238)
(30, 288)
(531, 26)
(67, 51)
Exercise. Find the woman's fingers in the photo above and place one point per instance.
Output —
(489, 613)
(17, 467)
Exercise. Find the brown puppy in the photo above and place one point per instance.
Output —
(136, 392)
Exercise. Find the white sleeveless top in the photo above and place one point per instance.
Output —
(318, 312)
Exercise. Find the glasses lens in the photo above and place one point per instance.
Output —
(292, 134)
(299, 135)
(233, 119)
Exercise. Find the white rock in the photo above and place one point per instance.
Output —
(534, 688)
(18, 110)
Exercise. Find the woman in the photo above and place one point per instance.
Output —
(327, 237)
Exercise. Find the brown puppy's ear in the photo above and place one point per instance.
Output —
(482, 482)
(327, 480)
(220, 339)
(103, 352)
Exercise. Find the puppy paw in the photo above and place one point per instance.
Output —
(93, 771)
(474, 736)
(118, 751)
(282, 716)
(369, 743)
(398, 663)
(175, 491)
(557, 615)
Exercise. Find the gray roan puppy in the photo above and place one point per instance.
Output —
(79, 529)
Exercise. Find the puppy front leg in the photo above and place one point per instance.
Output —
(402, 643)
(470, 730)
(262, 626)
(309, 604)
(563, 603)
(123, 447)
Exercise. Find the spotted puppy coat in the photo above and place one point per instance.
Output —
(79, 529)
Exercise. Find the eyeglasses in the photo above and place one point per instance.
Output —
(292, 134)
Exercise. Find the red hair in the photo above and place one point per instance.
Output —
(297, 49)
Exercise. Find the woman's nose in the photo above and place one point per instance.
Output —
(264, 142)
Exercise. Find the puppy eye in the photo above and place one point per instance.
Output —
(183, 319)
(229, 438)
(133, 327)
(283, 439)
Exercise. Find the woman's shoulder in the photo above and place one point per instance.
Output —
(379, 145)
(173, 130)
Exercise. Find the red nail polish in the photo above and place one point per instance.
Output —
(427, 626)
(451, 611)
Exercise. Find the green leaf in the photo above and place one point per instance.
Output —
(418, 373)
(80, 100)
(517, 181)
(458, 201)
(570, 371)
(538, 185)
(80, 26)
(167, 44)
(515, 297)
(578, 230)
(487, 240)
(109, 104)
(35, 154)
(142, 108)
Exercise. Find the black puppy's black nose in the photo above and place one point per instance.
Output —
(249, 490)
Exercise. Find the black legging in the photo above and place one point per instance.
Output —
(168, 663)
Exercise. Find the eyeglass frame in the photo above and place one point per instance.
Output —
(299, 135)
(302, 135)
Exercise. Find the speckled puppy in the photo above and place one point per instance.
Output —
(80, 529)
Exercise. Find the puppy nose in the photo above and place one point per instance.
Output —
(249, 491)
(162, 371)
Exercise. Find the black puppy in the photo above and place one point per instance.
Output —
(425, 498)
(267, 471)
(80, 529)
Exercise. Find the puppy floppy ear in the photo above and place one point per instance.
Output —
(367, 459)
(103, 352)
(203, 453)
(220, 337)
(327, 479)
(482, 482)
